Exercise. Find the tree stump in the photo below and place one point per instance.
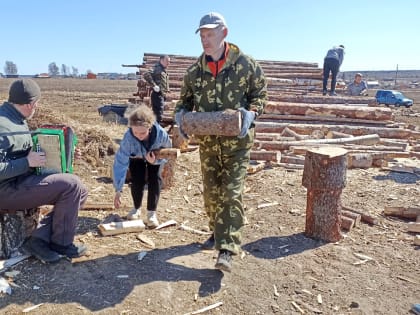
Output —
(324, 176)
(15, 227)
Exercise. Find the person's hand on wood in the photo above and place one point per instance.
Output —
(117, 199)
(151, 157)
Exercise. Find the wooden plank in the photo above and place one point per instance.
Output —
(115, 228)
(402, 212)
(413, 227)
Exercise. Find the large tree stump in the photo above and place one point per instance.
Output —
(15, 227)
(220, 123)
(324, 176)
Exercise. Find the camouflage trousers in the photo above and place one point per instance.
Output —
(224, 162)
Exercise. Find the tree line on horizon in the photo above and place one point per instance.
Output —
(11, 69)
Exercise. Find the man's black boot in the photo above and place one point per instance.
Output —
(224, 261)
(71, 251)
(41, 250)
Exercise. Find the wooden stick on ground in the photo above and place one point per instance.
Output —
(189, 229)
(205, 309)
(97, 206)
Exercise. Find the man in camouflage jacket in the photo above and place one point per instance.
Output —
(159, 80)
(223, 78)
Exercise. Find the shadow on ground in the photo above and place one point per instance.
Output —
(274, 247)
(107, 281)
(401, 178)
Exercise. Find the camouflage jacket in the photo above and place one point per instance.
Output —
(240, 83)
(159, 77)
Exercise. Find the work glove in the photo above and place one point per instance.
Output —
(179, 116)
(156, 88)
(247, 118)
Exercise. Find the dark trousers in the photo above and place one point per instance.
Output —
(143, 172)
(158, 104)
(333, 66)
(64, 191)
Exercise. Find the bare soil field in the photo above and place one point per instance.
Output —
(281, 271)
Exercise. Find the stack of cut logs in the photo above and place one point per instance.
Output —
(297, 117)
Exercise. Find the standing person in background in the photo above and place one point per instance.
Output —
(159, 80)
(358, 87)
(22, 188)
(143, 136)
(223, 78)
(332, 63)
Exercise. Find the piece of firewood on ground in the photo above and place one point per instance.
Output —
(403, 212)
(115, 228)
(364, 217)
(346, 223)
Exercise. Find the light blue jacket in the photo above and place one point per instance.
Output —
(130, 146)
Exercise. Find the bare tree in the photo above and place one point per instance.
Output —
(53, 69)
(65, 71)
(75, 72)
(10, 68)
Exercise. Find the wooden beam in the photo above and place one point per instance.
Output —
(115, 228)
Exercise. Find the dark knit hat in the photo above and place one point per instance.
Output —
(24, 91)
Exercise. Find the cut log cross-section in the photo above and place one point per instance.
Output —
(324, 176)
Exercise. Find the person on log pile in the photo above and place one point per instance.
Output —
(136, 154)
(332, 63)
(223, 78)
(358, 87)
(21, 187)
(159, 80)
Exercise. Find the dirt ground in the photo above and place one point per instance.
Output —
(280, 271)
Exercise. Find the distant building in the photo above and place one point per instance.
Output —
(42, 76)
(373, 84)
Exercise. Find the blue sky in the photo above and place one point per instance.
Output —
(100, 35)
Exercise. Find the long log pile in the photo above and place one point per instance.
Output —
(298, 117)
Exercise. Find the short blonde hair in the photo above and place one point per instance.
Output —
(142, 116)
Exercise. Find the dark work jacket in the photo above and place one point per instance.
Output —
(15, 144)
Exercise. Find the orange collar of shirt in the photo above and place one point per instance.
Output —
(215, 66)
